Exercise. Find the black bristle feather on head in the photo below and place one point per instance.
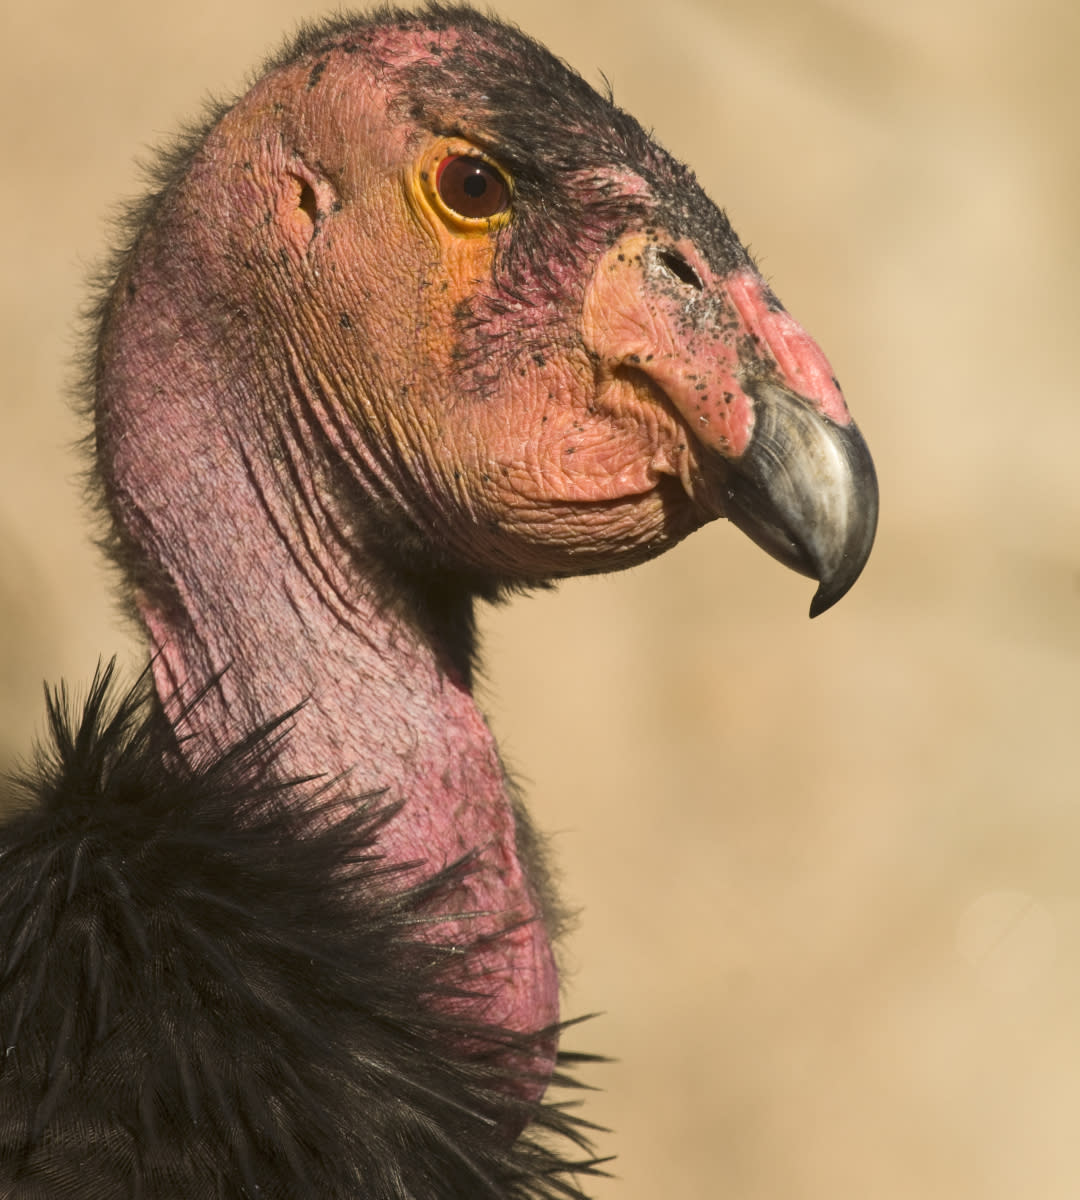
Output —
(212, 986)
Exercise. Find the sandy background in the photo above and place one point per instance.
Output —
(830, 872)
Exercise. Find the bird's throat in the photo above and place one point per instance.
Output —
(251, 591)
(377, 709)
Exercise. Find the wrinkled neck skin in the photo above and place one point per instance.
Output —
(252, 574)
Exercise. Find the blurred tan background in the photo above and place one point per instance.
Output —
(829, 872)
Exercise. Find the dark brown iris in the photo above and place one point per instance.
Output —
(472, 187)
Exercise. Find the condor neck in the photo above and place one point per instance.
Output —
(258, 591)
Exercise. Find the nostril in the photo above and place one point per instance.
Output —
(676, 265)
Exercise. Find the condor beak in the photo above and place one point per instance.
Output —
(776, 449)
(804, 490)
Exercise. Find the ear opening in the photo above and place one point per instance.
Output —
(308, 199)
(308, 203)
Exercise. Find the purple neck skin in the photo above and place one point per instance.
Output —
(222, 485)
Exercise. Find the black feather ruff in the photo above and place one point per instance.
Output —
(211, 986)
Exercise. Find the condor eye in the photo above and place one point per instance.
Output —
(471, 187)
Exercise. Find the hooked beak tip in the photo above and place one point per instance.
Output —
(805, 490)
(831, 591)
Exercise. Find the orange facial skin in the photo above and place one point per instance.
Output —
(591, 447)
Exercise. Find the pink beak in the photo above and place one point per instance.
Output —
(784, 461)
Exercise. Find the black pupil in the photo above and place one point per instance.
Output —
(472, 187)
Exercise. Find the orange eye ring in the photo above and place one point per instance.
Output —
(468, 191)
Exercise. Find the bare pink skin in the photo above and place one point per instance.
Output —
(289, 319)
(263, 595)
(410, 728)
(261, 586)
(698, 356)
(786, 348)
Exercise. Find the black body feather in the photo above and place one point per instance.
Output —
(212, 986)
